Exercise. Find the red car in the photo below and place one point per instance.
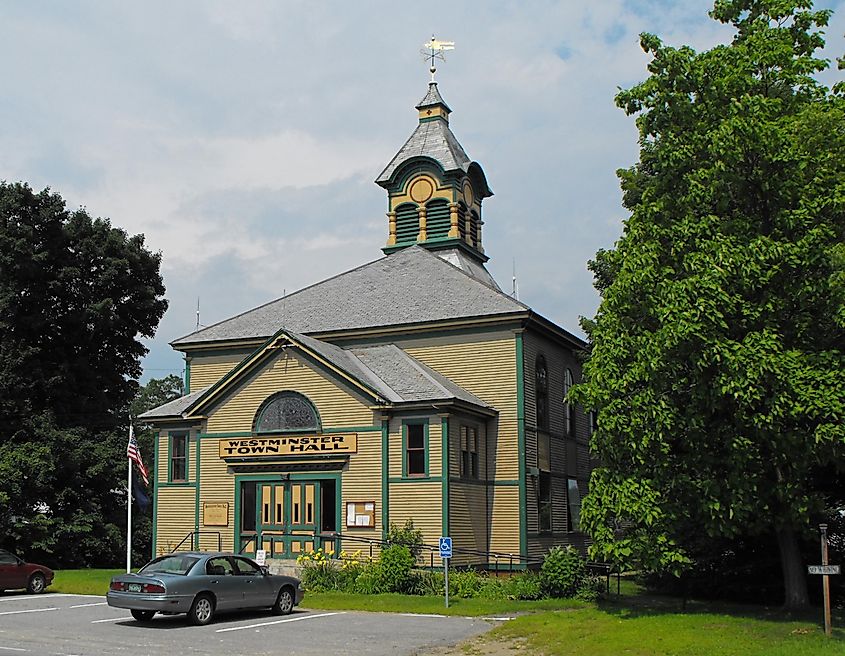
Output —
(15, 574)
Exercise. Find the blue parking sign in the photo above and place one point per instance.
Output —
(445, 547)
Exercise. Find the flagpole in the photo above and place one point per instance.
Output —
(129, 512)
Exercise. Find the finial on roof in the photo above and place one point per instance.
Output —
(434, 49)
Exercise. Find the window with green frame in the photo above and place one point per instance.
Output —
(178, 466)
(415, 448)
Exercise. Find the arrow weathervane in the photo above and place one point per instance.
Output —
(434, 49)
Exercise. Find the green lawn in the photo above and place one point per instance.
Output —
(634, 624)
(83, 581)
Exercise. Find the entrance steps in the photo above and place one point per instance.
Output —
(284, 566)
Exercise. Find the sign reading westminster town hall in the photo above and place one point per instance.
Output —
(289, 445)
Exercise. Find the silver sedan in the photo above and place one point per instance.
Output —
(200, 584)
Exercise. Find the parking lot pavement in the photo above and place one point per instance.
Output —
(79, 625)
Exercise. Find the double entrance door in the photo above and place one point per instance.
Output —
(288, 516)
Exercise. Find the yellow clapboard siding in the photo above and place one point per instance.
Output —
(208, 369)
(217, 486)
(288, 371)
(468, 520)
(504, 529)
(420, 502)
(174, 516)
(485, 365)
(361, 483)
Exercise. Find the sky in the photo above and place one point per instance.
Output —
(242, 138)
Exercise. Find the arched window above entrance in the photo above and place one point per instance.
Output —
(287, 411)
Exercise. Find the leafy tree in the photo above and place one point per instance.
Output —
(717, 361)
(75, 295)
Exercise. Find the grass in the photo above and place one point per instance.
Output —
(634, 624)
(83, 581)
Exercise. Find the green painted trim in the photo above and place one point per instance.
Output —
(405, 424)
(189, 484)
(444, 459)
(385, 478)
(520, 416)
(428, 119)
(170, 436)
(203, 436)
(187, 389)
(155, 493)
(416, 479)
(197, 495)
(504, 327)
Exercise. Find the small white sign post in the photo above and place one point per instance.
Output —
(260, 557)
(445, 555)
(825, 570)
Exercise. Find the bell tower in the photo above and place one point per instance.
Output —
(434, 190)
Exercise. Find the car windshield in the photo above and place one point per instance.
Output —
(171, 564)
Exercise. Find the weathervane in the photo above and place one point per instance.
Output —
(434, 49)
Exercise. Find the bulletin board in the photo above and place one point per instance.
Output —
(360, 514)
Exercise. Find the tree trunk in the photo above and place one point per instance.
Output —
(794, 578)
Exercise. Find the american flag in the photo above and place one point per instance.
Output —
(134, 454)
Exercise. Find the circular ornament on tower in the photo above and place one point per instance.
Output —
(421, 190)
(468, 197)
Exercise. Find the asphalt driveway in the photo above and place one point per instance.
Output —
(78, 625)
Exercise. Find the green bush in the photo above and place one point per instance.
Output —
(591, 588)
(562, 572)
(393, 570)
(406, 535)
(465, 583)
(526, 587)
(426, 583)
(367, 581)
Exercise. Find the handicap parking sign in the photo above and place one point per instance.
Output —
(445, 547)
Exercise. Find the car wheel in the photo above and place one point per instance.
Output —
(202, 610)
(36, 584)
(142, 615)
(284, 602)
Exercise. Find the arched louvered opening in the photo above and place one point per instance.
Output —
(407, 223)
(462, 220)
(473, 227)
(287, 411)
(437, 220)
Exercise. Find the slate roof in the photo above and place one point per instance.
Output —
(173, 408)
(409, 286)
(431, 139)
(432, 98)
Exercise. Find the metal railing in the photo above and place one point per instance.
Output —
(199, 534)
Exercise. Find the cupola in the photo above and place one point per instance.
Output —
(434, 190)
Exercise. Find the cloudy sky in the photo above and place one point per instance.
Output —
(243, 138)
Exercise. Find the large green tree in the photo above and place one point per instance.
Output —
(76, 294)
(717, 362)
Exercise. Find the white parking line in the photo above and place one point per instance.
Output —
(290, 619)
(49, 595)
(31, 610)
(99, 603)
(111, 619)
(420, 615)
(12, 648)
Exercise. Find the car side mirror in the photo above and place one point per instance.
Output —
(265, 571)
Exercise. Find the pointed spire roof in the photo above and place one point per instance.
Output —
(432, 98)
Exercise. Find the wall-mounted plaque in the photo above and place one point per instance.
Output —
(215, 514)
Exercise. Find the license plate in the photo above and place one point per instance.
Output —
(134, 587)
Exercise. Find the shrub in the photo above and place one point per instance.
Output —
(393, 570)
(591, 588)
(562, 572)
(407, 535)
(426, 583)
(525, 587)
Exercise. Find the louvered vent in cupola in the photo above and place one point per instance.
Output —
(437, 220)
(462, 220)
(407, 223)
(473, 227)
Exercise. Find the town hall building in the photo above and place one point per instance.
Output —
(411, 387)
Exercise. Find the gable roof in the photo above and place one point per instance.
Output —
(385, 373)
(409, 286)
